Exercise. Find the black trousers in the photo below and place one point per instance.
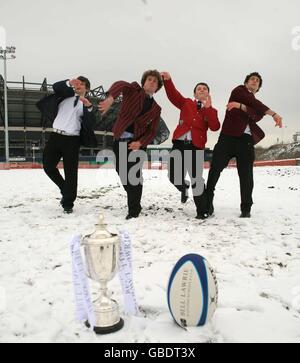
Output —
(192, 165)
(242, 149)
(66, 147)
(131, 174)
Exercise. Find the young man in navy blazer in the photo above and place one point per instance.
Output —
(71, 113)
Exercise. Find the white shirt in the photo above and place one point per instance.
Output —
(127, 135)
(68, 118)
(248, 131)
(187, 136)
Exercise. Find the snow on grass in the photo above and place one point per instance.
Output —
(257, 260)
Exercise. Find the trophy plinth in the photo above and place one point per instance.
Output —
(102, 254)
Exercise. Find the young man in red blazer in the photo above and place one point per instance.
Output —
(134, 130)
(189, 139)
(239, 134)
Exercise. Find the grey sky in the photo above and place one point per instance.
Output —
(215, 41)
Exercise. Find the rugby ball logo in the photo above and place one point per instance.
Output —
(192, 291)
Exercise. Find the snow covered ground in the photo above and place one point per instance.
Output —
(257, 260)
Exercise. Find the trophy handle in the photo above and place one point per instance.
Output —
(87, 270)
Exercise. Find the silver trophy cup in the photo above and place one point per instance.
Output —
(102, 254)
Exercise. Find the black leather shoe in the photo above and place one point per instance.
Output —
(130, 216)
(202, 216)
(245, 214)
(68, 210)
(134, 214)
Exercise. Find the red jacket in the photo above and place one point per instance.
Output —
(146, 125)
(236, 120)
(191, 119)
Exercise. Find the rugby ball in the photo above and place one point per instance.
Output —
(192, 291)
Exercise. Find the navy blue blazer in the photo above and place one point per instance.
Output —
(48, 106)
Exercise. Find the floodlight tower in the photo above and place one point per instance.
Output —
(6, 54)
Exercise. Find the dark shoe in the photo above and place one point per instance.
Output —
(202, 216)
(185, 192)
(130, 216)
(184, 196)
(245, 214)
(134, 214)
(68, 210)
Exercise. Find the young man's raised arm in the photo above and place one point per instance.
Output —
(173, 94)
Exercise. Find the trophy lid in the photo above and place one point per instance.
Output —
(101, 236)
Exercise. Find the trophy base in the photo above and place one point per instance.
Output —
(107, 329)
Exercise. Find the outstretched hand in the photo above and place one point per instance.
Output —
(278, 121)
(135, 145)
(231, 105)
(74, 83)
(85, 102)
(207, 101)
(166, 76)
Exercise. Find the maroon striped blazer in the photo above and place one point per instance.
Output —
(236, 120)
(146, 125)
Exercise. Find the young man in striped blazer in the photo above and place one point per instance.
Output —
(239, 134)
(134, 130)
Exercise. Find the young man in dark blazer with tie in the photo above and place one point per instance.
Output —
(239, 134)
(196, 118)
(134, 130)
(71, 113)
